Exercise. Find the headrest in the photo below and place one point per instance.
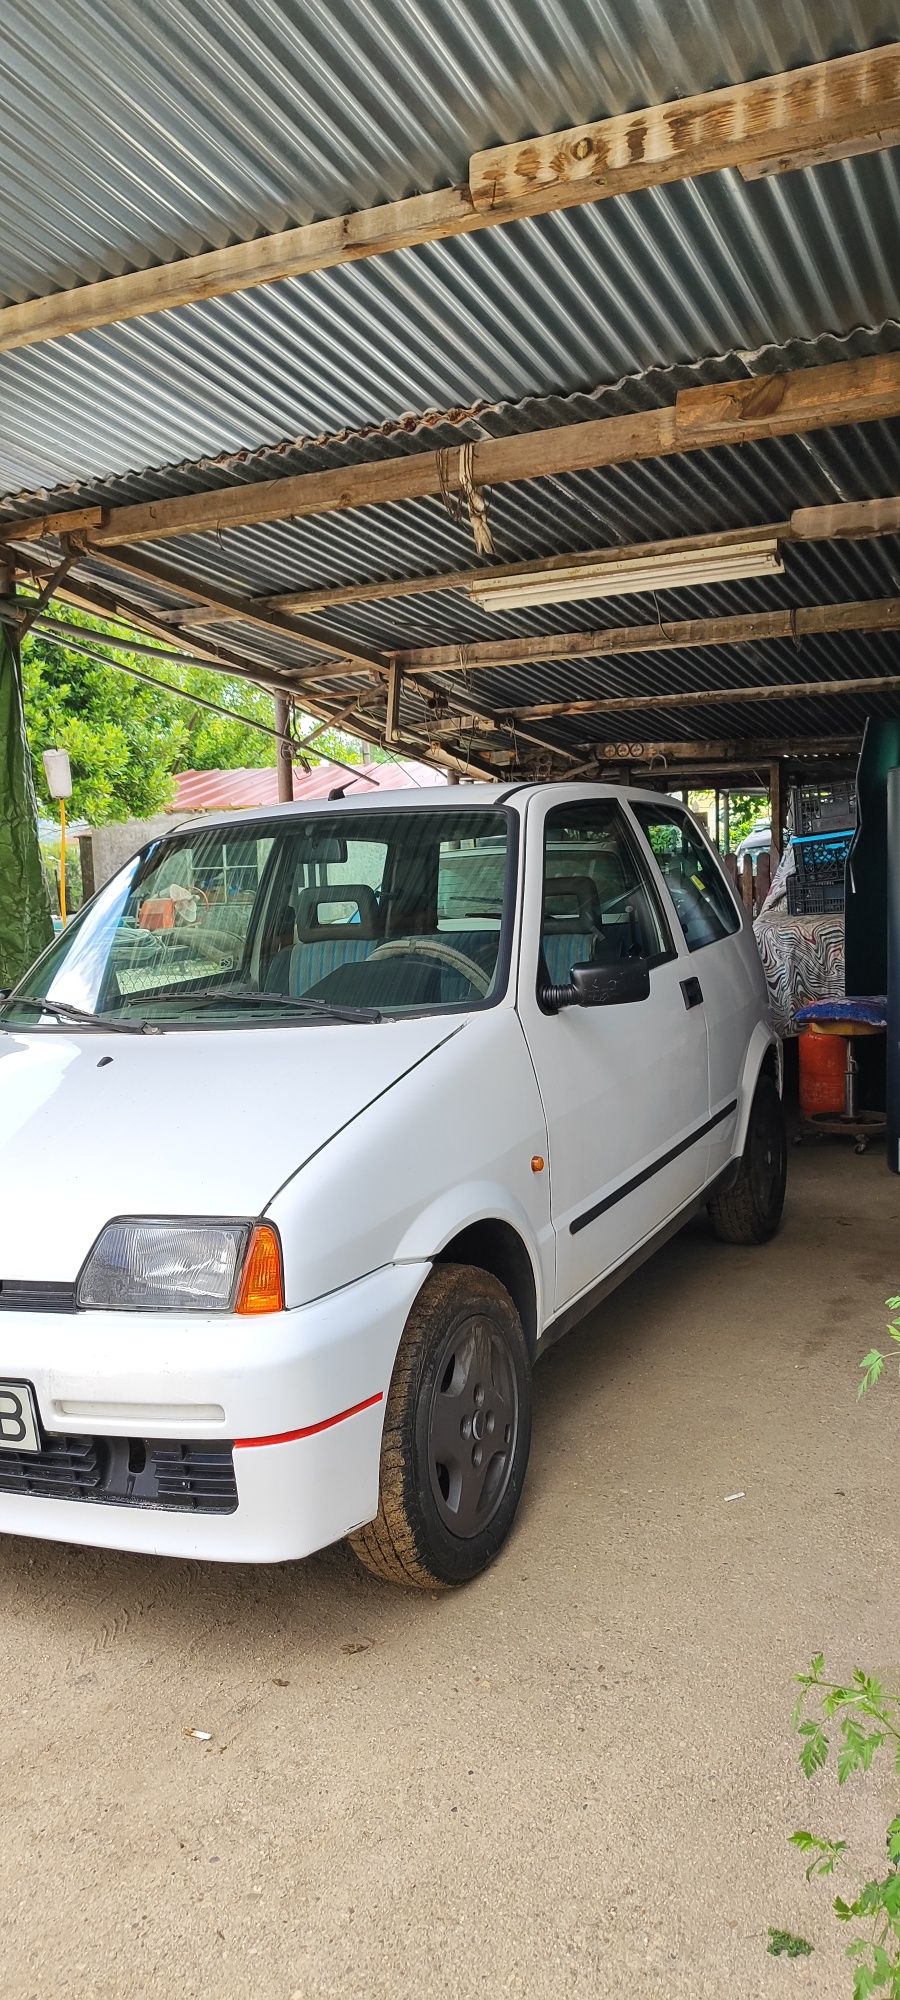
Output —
(317, 910)
(562, 892)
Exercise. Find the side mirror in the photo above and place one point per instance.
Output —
(602, 985)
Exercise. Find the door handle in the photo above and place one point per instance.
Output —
(692, 993)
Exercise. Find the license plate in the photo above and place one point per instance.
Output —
(18, 1418)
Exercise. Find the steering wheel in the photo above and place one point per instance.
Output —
(446, 954)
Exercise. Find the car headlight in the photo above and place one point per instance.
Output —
(160, 1266)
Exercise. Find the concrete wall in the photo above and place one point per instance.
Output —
(106, 848)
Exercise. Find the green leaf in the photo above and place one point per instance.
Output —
(863, 1982)
(872, 1365)
(816, 1665)
(893, 1305)
(815, 1749)
(893, 1839)
(785, 1944)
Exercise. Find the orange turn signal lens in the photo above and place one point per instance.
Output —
(262, 1279)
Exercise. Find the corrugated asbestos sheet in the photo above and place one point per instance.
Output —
(135, 135)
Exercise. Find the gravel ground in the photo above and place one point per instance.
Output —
(575, 1777)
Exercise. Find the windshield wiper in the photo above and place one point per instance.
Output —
(234, 996)
(63, 1011)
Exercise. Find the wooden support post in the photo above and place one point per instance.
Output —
(285, 764)
(763, 879)
(392, 712)
(776, 802)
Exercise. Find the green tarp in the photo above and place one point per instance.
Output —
(25, 925)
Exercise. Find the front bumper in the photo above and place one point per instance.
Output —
(300, 1395)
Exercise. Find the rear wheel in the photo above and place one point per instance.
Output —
(750, 1210)
(457, 1433)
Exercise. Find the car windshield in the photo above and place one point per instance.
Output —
(342, 915)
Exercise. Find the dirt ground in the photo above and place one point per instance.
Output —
(575, 1777)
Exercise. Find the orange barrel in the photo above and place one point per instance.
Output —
(823, 1073)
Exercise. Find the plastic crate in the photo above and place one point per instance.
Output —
(820, 858)
(812, 899)
(827, 808)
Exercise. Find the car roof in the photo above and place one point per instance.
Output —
(442, 798)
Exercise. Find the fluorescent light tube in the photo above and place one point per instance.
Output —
(673, 570)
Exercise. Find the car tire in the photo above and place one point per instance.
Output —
(750, 1210)
(457, 1434)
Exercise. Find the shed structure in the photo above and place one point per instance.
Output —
(331, 336)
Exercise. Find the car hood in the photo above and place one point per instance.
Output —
(95, 1125)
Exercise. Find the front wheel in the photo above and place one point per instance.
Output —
(457, 1433)
(750, 1210)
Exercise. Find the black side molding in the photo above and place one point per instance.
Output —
(655, 1167)
(571, 1315)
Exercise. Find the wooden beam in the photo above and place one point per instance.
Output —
(307, 601)
(820, 110)
(697, 697)
(693, 750)
(289, 253)
(759, 406)
(851, 103)
(217, 598)
(880, 614)
(76, 522)
(851, 520)
(858, 519)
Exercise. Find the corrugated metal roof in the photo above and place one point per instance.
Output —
(559, 303)
(227, 791)
(132, 136)
(631, 502)
(135, 136)
(155, 132)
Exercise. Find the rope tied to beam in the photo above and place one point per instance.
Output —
(471, 501)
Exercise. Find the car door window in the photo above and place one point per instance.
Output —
(599, 903)
(698, 888)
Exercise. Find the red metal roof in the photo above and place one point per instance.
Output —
(227, 791)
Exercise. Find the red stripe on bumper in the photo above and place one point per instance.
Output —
(311, 1430)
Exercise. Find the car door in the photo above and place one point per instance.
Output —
(624, 1086)
(716, 933)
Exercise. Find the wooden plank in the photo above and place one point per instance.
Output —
(747, 882)
(851, 103)
(841, 392)
(698, 697)
(745, 628)
(764, 406)
(852, 100)
(852, 520)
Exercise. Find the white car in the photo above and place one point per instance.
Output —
(319, 1125)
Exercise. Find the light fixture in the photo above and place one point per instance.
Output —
(672, 569)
